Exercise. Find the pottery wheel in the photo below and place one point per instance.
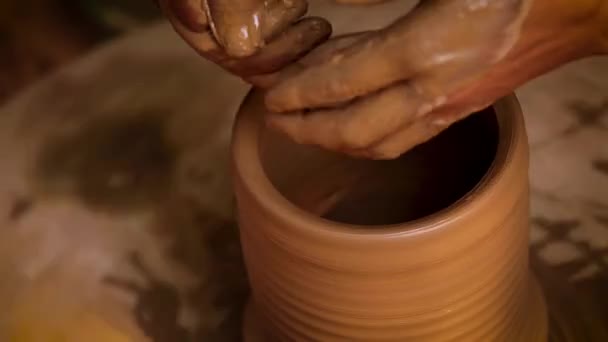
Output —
(117, 206)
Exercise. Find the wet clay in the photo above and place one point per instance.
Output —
(475, 35)
(455, 52)
(429, 69)
(432, 246)
(261, 39)
(237, 25)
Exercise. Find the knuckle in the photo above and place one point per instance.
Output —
(354, 136)
(333, 90)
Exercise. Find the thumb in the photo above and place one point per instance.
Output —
(237, 25)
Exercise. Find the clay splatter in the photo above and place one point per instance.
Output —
(157, 306)
(112, 165)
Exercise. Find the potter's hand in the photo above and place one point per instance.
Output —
(247, 37)
(402, 85)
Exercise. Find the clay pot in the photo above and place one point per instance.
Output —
(432, 246)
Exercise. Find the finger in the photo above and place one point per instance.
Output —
(280, 14)
(402, 141)
(190, 13)
(202, 42)
(325, 51)
(237, 25)
(414, 134)
(358, 69)
(206, 45)
(286, 48)
(436, 37)
(364, 66)
(317, 55)
(358, 125)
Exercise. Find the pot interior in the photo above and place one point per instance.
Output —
(425, 180)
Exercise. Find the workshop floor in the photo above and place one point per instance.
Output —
(63, 238)
(38, 36)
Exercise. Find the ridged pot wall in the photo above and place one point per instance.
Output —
(431, 247)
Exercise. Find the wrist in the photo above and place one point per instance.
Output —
(590, 19)
(572, 29)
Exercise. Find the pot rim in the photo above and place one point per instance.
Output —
(251, 177)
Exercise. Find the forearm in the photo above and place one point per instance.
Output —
(583, 23)
(553, 33)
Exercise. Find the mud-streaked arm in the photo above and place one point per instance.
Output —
(400, 86)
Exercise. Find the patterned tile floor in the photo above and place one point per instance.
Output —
(567, 121)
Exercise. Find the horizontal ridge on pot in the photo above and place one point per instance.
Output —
(432, 246)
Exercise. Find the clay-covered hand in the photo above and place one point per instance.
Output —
(247, 37)
(398, 87)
